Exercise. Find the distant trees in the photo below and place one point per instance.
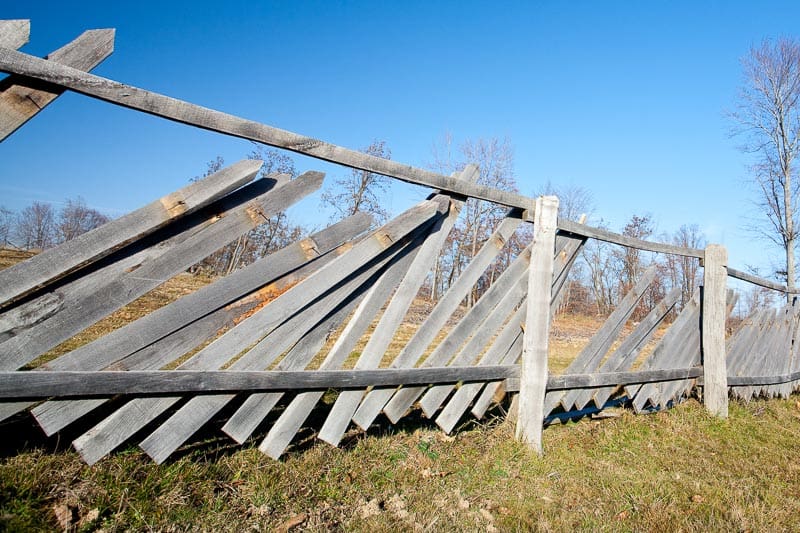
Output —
(478, 219)
(272, 235)
(359, 190)
(75, 218)
(40, 226)
(768, 117)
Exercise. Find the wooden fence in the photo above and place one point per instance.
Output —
(264, 344)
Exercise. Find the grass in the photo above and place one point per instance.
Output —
(675, 470)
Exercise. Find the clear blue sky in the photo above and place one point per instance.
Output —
(626, 99)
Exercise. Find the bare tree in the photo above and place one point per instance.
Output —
(478, 218)
(275, 233)
(573, 201)
(36, 226)
(768, 117)
(684, 272)
(76, 218)
(359, 190)
(6, 225)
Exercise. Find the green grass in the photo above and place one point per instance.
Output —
(678, 470)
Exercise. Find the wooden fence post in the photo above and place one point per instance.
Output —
(715, 373)
(533, 374)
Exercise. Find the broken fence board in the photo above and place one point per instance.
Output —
(204, 233)
(280, 270)
(297, 411)
(55, 263)
(14, 33)
(411, 353)
(22, 98)
(260, 324)
(199, 410)
(347, 402)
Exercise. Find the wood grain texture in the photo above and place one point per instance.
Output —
(412, 352)
(22, 98)
(14, 33)
(300, 407)
(533, 375)
(715, 389)
(348, 401)
(160, 337)
(38, 271)
(195, 237)
(15, 62)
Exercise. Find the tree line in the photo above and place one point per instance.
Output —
(40, 225)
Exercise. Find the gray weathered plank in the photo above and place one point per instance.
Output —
(22, 98)
(715, 389)
(625, 355)
(14, 33)
(202, 233)
(55, 263)
(258, 276)
(31, 384)
(348, 401)
(593, 353)
(263, 322)
(533, 374)
(411, 353)
(156, 339)
(299, 408)
(23, 278)
(149, 102)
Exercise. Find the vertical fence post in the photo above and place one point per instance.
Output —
(533, 375)
(715, 373)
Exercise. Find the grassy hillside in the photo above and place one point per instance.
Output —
(674, 470)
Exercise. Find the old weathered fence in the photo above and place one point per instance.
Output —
(268, 340)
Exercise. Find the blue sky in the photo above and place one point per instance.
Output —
(625, 99)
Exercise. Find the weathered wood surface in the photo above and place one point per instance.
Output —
(35, 384)
(300, 407)
(22, 98)
(347, 402)
(715, 389)
(593, 353)
(196, 236)
(337, 303)
(157, 339)
(533, 374)
(756, 280)
(14, 33)
(15, 62)
(626, 354)
(23, 278)
(32, 384)
(411, 353)
(267, 319)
